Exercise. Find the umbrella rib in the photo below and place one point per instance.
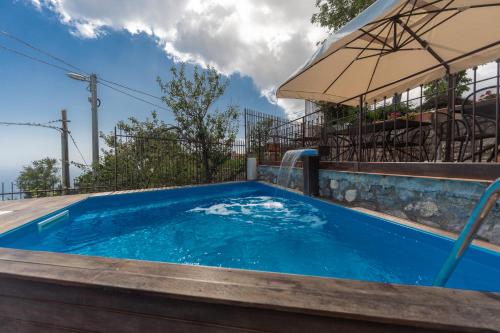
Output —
(433, 16)
(409, 39)
(424, 44)
(356, 58)
(384, 43)
(389, 52)
(376, 64)
(361, 48)
(407, 20)
(404, 14)
(326, 56)
(434, 11)
(427, 69)
(429, 4)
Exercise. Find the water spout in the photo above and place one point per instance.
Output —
(288, 164)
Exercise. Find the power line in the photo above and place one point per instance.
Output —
(30, 124)
(19, 40)
(51, 127)
(135, 97)
(33, 58)
(78, 149)
(65, 69)
(131, 89)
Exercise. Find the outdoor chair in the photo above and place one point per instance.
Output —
(481, 127)
(409, 144)
(458, 135)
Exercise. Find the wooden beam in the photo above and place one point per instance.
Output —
(70, 292)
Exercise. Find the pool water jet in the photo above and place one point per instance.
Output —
(310, 169)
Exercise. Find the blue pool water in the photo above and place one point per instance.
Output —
(258, 227)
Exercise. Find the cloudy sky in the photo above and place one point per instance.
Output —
(256, 43)
(263, 39)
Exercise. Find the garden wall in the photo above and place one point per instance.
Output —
(437, 202)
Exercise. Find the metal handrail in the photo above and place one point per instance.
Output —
(483, 207)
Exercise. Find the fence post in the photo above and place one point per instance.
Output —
(360, 130)
(116, 161)
(497, 112)
(245, 129)
(304, 131)
(449, 125)
(3, 192)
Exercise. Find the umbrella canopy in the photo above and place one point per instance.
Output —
(396, 45)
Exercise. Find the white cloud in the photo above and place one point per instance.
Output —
(264, 39)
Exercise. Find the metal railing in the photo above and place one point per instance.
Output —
(153, 161)
(451, 120)
(480, 212)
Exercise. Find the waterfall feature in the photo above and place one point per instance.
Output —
(288, 164)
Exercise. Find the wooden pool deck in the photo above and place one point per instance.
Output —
(53, 292)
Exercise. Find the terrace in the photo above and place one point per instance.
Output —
(440, 129)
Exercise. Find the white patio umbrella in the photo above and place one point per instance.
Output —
(396, 45)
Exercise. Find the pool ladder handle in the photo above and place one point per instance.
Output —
(480, 212)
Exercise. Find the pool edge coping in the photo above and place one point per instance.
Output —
(28, 263)
(300, 294)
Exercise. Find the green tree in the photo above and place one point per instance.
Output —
(146, 154)
(40, 176)
(439, 88)
(260, 135)
(191, 100)
(334, 14)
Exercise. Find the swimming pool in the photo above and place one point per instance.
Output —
(254, 226)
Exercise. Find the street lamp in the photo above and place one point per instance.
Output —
(92, 79)
(78, 77)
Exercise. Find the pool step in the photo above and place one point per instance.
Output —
(42, 225)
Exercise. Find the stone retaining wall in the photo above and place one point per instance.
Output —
(440, 203)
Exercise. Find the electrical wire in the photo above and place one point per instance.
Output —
(51, 127)
(78, 149)
(102, 80)
(128, 88)
(30, 124)
(33, 58)
(135, 97)
(19, 40)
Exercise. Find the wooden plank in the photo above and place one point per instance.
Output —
(109, 309)
(359, 301)
(10, 325)
(27, 210)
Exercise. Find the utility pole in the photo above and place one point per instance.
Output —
(95, 129)
(64, 153)
(95, 103)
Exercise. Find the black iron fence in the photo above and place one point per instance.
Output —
(142, 162)
(452, 120)
(258, 134)
(146, 162)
